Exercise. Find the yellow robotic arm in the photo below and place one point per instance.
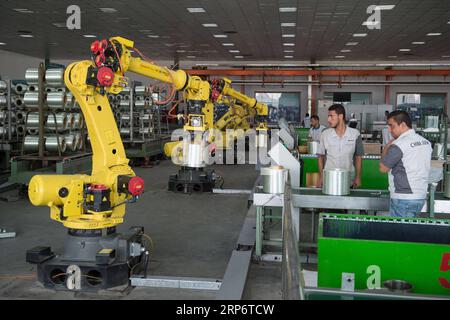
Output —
(223, 87)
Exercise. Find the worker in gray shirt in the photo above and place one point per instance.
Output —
(340, 146)
(407, 158)
(316, 129)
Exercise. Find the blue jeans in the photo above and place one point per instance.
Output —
(405, 208)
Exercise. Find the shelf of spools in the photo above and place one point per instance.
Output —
(11, 131)
(53, 128)
(137, 121)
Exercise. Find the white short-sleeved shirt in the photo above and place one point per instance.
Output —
(340, 151)
(409, 158)
(315, 133)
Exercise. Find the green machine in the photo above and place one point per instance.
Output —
(302, 135)
(366, 251)
(371, 177)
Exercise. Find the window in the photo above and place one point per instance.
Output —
(418, 105)
(349, 97)
(281, 105)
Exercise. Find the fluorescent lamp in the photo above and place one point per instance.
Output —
(209, 25)
(360, 35)
(238, 57)
(220, 36)
(228, 44)
(431, 34)
(351, 43)
(288, 9)
(288, 35)
(288, 24)
(195, 10)
(108, 10)
(289, 44)
(404, 50)
(89, 36)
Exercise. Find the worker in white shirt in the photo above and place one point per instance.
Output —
(316, 129)
(340, 146)
(307, 121)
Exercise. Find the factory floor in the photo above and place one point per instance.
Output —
(194, 236)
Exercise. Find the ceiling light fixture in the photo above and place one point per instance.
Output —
(195, 10)
(431, 34)
(288, 35)
(209, 25)
(89, 36)
(289, 44)
(360, 35)
(418, 42)
(351, 43)
(233, 51)
(108, 10)
(238, 57)
(288, 24)
(404, 50)
(228, 44)
(288, 9)
(288, 57)
(220, 36)
(26, 36)
(23, 10)
(339, 57)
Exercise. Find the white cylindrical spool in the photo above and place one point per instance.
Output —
(274, 179)
(56, 99)
(69, 100)
(61, 121)
(124, 104)
(125, 117)
(195, 156)
(33, 121)
(20, 88)
(3, 101)
(111, 97)
(140, 104)
(21, 129)
(78, 121)
(70, 121)
(19, 102)
(313, 147)
(20, 116)
(141, 90)
(54, 77)
(4, 115)
(31, 143)
(125, 132)
(71, 142)
(4, 130)
(32, 76)
(145, 130)
(31, 99)
(80, 140)
(119, 97)
(33, 88)
(3, 86)
(145, 117)
(336, 182)
(51, 143)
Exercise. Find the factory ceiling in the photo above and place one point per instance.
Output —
(235, 30)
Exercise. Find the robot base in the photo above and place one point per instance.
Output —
(190, 180)
(91, 261)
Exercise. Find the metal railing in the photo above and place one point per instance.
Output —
(292, 277)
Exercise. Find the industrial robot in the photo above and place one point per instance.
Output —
(91, 206)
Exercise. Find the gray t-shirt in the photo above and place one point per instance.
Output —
(315, 133)
(409, 158)
(340, 151)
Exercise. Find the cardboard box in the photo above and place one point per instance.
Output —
(303, 149)
(312, 180)
(372, 148)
